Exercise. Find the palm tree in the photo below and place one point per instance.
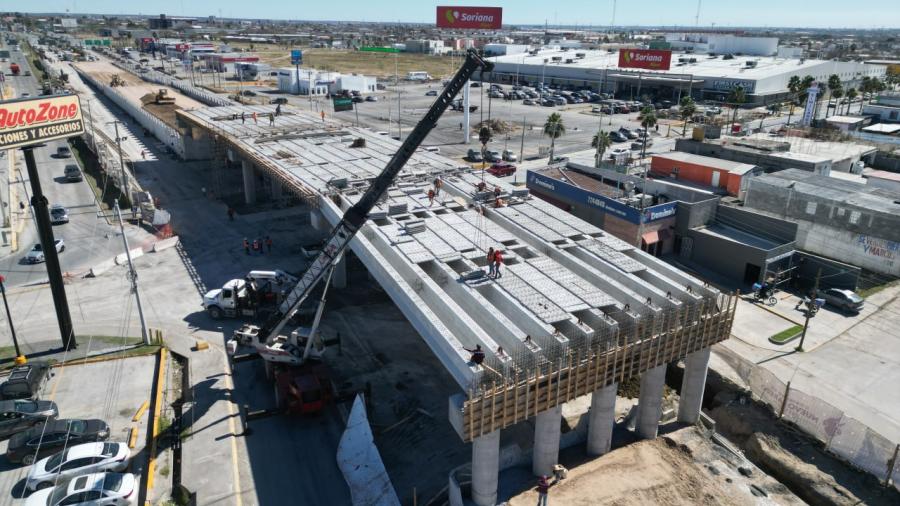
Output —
(794, 85)
(851, 94)
(484, 136)
(686, 110)
(866, 85)
(601, 141)
(836, 89)
(648, 121)
(554, 128)
(736, 97)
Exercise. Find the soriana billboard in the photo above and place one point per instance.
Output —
(653, 59)
(484, 18)
(25, 122)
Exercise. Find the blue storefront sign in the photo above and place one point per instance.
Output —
(611, 206)
(296, 57)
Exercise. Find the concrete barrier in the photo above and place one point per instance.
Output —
(122, 259)
(102, 267)
(165, 244)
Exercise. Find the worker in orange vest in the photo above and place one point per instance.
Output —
(498, 261)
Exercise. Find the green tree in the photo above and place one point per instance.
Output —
(794, 87)
(836, 89)
(686, 109)
(736, 97)
(602, 142)
(554, 128)
(648, 121)
(851, 94)
(865, 86)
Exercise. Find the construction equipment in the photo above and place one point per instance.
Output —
(116, 81)
(268, 339)
(162, 97)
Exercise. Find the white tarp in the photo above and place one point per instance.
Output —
(359, 460)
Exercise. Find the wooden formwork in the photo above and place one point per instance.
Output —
(581, 373)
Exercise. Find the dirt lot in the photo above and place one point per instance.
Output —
(380, 65)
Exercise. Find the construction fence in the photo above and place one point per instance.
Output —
(846, 437)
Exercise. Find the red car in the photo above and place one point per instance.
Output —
(502, 169)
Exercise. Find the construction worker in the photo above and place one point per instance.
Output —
(438, 184)
(278, 110)
(230, 213)
(243, 118)
(143, 154)
(271, 119)
(477, 355)
(268, 244)
(498, 261)
(255, 244)
(497, 192)
(490, 262)
(430, 197)
(254, 118)
(543, 488)
(246, 246)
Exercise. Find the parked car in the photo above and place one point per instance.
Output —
(628, 133)
(509, 156)
(616, 136)
(614, 153)
(106, 489)
(36, 255)
(502, 169)
(639, 145)
(474, 156)
(431, 93)
(529, 101)
(248, 93)
(18, 415)
(357, 99)
(25, 381)
(279, 101)
(63, 152)
(371, 98)
(78, 460)
(845, 300)
(58, 214)
(45, 439)
(492, 156)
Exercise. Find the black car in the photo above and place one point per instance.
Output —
(279, 101)
(43, 440)
(19, 415)
(617, 136)
(25, 381)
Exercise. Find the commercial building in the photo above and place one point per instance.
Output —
(885, 107)
(426, 46)
(721, 175)
(882, 179)
(851, 222)
(164, 22)
(847, 123)
(705, 77)
(495, 49)
(310, 81)
(722, 43)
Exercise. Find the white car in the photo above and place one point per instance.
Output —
(94, 489)
(619, 152)
(77, 460)
(36, 255)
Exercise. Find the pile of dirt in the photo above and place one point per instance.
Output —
(497, 126)
(165, 112)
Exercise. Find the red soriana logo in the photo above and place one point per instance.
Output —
(25, 122)
(653, 59)
(484, 18)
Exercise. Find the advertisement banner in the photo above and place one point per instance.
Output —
(37, 120)
(296, 57)
(812, 95)
(479, 18)
(651, 59)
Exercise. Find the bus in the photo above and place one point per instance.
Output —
(417, 76)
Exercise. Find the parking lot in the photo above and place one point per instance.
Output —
(95, 390)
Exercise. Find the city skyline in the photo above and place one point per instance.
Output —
(581, 13)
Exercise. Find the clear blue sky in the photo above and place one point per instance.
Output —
(805, 13)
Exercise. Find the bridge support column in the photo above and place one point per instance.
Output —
(249, 182)
(546, 441)
(485, 468)
(602, 419)
(650, 401)
(695, 367)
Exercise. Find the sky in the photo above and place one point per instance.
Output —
(596, 13)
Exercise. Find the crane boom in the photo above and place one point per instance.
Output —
(356, 216)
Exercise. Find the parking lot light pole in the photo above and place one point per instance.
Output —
(20, 359)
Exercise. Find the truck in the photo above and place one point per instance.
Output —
(297, 382)
(14, 68)
(257, 291)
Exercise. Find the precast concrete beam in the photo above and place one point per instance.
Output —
(602, 419)
(638, 285)
(485, 468)
(697, 286)
(317, 221)
(546, 441)
(693, 384)
(249, 182)
(277, 188)
(650, 401)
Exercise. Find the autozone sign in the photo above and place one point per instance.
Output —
(36, 120)
(653, 59)
(485, 18)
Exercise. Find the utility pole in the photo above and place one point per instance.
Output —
(121, 163)
(133, 276)
(521, 147)
(812, 301)
(93, 134)
(397, 80)
(20, 359)
(48, 245)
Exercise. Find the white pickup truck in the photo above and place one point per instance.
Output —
(244, 297)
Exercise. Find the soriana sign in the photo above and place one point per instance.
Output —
(653, 59)
(32, 121)
(485, 18)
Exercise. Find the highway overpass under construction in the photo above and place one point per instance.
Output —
(575, 312)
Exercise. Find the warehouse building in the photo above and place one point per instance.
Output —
(721, 175)
(703, 76)
(311, 81)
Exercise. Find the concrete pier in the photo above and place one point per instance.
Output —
(249, 182)
(546, 441)
(695, 367)
(485, 468)
(650, 401)
(601, 421)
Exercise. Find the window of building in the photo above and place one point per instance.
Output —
(811, 208)
(854, 217)
(841, 211)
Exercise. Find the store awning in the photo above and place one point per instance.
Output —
(650, 237)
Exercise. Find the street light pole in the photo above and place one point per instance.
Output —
(20, 359)
(133, 276)
(812, 302)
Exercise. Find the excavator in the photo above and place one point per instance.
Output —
(299, 384)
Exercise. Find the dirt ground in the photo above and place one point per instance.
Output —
(681, 468)
(380, 65)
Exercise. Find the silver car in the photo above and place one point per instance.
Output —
(106, 489)
(58, 214)
(36, 255)
(77, 460)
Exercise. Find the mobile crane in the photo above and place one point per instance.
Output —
(294, 349)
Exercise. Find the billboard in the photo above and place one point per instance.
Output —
(651, 59)
(296, 57)
(479, 18)
(36, 120)
(812, 96)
